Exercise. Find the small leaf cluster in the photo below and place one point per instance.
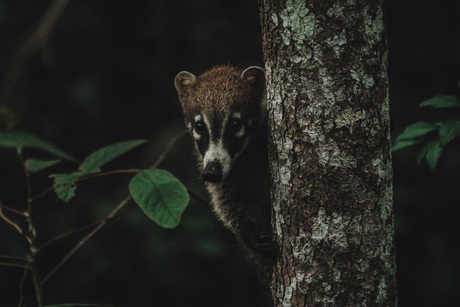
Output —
(65, 184)
(432, 136)
(160, 195)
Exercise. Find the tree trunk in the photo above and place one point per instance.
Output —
(327, 93)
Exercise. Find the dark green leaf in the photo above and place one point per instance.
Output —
(448, 131)
(433, 152)
(64, 185)
(442, 102)
(160, 195)
(35, 166)
(104, 155)
(416, 130)
(404, 143)
(21, 140)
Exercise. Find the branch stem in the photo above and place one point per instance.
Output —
(111, 215)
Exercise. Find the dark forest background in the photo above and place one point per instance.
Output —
(106, 75)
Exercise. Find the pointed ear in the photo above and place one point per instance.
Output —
(254, 75)
(183, 81)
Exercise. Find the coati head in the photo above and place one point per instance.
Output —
(223, 109)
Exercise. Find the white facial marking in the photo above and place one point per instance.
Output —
(240, 133)
(237, 115)
(216, 150)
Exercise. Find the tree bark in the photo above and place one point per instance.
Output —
(327, 96)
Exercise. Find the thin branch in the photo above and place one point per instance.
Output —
(86, 177)
(168, 149)
(75, 231)
(107, 173)
(31, 237)
(12, 210)
(14, 258)
(112, 214)
(16, 265)
(21, 288)
(30, 46)
(9, 221)
(41, 194)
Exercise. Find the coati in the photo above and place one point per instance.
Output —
(225, 111)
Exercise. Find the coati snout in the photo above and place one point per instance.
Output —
(212, 172)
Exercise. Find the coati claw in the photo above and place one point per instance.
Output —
(266, 244)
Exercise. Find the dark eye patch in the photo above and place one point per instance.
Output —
(235, 124)
(200, 127)
(234, 141)
(201, 135)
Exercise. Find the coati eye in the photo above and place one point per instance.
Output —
(200, 127)
(236, 124)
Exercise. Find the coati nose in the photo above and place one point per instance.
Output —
(212, 172)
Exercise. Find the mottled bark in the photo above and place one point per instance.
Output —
(327, 92)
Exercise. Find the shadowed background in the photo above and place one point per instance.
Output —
(105, 74)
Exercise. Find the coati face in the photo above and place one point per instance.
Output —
(223, 109)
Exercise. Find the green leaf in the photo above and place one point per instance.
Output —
(404, 143)
(161, 196)
(416, 130)
(433, 152)
(35, 166)
(19, 140)
(94, 161)
(441, 102)
(448, 131)
(64, 185)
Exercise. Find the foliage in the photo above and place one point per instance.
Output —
(160, 195)
(433, 138)
(154, 191)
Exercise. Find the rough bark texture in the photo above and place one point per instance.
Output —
(327, 92)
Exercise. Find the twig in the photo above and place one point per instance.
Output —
(41, 194)
(9, 221)
(12, 210)
(111, 215)
(30, 46)
(167, 149)
(21, 288)
(16, 265)
(31, 237)
(75, 231)
(88, 176)
(113, 172)
(14, 258)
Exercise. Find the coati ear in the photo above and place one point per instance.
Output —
(183, 81)
(254, 75)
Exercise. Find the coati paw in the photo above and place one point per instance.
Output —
(266, 245)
